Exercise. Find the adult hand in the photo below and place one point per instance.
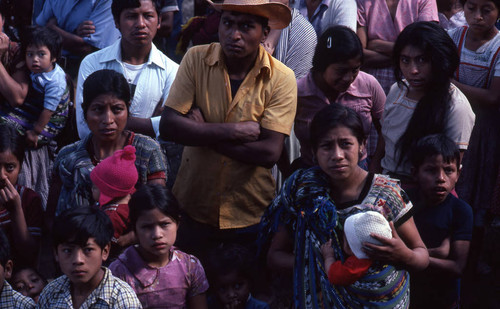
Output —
(85, 29)
(31, 138)
(393, 250)
(4, 43)
(9, 197)
(246, 131)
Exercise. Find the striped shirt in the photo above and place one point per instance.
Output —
(110, 293)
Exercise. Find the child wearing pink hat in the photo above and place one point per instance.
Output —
(114, 180)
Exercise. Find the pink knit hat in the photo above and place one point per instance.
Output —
(116, 176)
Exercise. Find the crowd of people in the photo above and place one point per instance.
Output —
(249, 154)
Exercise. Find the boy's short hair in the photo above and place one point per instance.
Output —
(4, 249)
(77, 225)
(432, 145)
(43, 36)
(229, 258)
(119, 5)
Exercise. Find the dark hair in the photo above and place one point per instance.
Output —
(336, 44)
(432, 145)
(496, 2)
(228, 258)
(334, 116)
(119, 5)
(430, 113)
(4, 249)
(149, 197)
(77, 225)
(11, 140)
(263, 21)
(43, 36)
(105, 82)
(20, 269)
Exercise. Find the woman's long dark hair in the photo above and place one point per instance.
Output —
(429, 116)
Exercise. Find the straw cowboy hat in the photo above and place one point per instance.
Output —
(278, 14)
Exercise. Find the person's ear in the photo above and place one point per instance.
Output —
(8, 269)
(56, 257)
(265, 33)
(159, 22)
(105, 252)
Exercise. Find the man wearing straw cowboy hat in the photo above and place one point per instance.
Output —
(231, 104)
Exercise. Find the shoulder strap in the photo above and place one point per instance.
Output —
(491, 67)
(459, 47)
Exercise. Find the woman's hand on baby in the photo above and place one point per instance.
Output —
(9, 197)
(393, 250)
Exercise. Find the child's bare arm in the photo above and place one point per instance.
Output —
(43, 119)
(454, 264)
(442, 252)
(328, 254)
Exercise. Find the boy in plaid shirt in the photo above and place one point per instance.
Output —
(9, 298)
(81, 238)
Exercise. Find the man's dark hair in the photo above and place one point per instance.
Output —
(77, 225)
(42, 36)
(4, 249)
(433, 145)
(119, 5)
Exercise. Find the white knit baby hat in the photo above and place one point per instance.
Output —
(358, 227)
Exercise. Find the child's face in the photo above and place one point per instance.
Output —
(415, 67)
(481, 15)
(28, 283)
(38, 59)
(232, 290)
(82, 265)
(156, 233)
(436, 178)
(9, 168)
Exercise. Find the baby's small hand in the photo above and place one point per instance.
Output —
(327, 250)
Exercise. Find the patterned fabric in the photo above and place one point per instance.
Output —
(73, 166)
(304, 206)
(481, 162)
(169, 286)
(9, 299)
(110, 293)
(296, 45)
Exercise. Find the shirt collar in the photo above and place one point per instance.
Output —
(307, 87)
(214, 57)
(7, 294)
(144, 273)
(46, 75)
(100, 291)
(115, 54)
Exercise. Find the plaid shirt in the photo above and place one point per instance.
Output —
(110, 293)
(12, 299)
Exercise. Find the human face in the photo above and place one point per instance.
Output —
(38, 59)
(82, 265)
(5, 272)
(416, 68)
(138, 26)
(240, 35)
(436, 178)
(156, 233)
(481, 15)
(232, 290)
(339, 76)
(28, 283)
(107, 117)
(9, 168)
(338, 153)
